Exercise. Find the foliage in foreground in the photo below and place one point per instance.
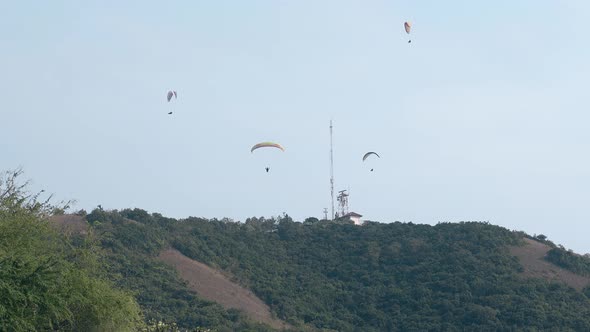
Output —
(45, 283)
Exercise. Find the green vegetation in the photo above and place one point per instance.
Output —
(45, 282)
(384, 276)
(316, 275)
(569, 260)
(397, 277)
(131, 240)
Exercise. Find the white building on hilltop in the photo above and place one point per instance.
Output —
(354, 217)
(345, 215)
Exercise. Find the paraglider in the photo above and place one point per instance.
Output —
(267, 145)
(170, 95)
(369, 154)
(408, 27)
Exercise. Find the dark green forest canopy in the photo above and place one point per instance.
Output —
(325, 275)
(569, 260)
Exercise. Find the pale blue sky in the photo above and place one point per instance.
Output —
(483, 117)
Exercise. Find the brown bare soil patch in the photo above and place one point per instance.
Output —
(532, 255)
(212, 285)
(70, 224)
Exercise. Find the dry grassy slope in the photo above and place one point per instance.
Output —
(214, 286)
(70, 224)
(531, 256)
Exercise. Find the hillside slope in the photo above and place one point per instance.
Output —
(130, 254)
(329, 276)
(532, 257)
(214, 286)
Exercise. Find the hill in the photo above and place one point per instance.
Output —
(214, 286)
(330, 276)
(532, 256)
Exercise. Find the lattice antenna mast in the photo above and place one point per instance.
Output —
(331, 170)
(343, 202)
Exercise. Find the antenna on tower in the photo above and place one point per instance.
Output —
(325, 213)
(343, 202)
(331, 170)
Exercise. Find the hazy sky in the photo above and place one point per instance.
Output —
(484, 116)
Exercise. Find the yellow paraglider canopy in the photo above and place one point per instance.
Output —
(267, 145)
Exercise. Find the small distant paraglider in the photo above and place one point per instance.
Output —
(267, 145)
(369, 154)
(170, 95)
(408, 27)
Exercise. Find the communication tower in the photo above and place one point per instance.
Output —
(343, 202)
(331, 170)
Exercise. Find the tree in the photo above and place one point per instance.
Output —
(311, 220)
(541, 237)
(46, 283)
